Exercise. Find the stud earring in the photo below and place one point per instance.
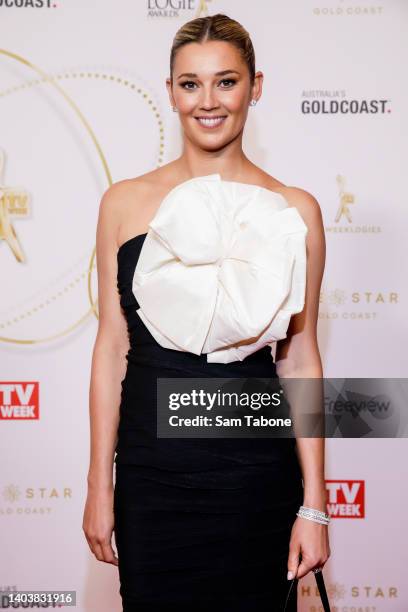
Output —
(253, 102)
(174, 109)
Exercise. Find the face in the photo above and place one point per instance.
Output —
(212, 91)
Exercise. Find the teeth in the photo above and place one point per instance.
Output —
(211, 122)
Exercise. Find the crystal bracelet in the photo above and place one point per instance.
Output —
(313, 515)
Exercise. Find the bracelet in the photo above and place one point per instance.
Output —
(313, 515)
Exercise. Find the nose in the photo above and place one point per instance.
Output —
(208, 99)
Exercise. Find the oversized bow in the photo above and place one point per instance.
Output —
(222, 269)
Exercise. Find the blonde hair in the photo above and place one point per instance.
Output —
(215, 27)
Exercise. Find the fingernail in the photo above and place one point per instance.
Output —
(290, 575)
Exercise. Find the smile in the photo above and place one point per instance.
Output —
(212, 122)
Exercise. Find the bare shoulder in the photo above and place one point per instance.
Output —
(129, 204)
(306, 203)
(120, 194)
(311, 213)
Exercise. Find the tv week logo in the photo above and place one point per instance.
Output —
(346, 498)
(19, 400)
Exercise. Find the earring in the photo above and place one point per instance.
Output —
(253, 102)
(174, 109)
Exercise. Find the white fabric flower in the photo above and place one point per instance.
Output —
(222, 269)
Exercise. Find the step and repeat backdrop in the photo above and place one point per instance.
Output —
(83, 104)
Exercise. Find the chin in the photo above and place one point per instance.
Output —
(211, 143)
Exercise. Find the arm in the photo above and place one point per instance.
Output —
(297, 356)
(107, 371)
(111, 345)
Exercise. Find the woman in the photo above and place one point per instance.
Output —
(205, 523)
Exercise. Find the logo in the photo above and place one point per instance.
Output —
(13, 204)
(41, 500)
(19, 401)
(368, 303)
(348, 9)
(172, 8)
(346, 205)
(346, 498)
(346, 198)
(28, 4)
(337, 102)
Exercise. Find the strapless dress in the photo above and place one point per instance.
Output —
(200, 523)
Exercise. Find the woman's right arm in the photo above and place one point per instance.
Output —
(107, 371)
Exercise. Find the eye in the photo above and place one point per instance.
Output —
(184, 83)
(233, 81)
(187, 83)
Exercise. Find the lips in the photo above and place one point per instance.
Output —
(211, 122)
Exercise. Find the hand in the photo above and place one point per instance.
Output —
(311, 540)
(98, 523)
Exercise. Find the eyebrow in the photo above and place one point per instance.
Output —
(193, 75)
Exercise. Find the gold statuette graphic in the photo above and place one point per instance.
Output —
(13, 204)
(346, 198)
(28, 323)
(202, 8)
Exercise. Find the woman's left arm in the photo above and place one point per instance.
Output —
(297, 356)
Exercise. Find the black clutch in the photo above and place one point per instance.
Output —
(318, 574)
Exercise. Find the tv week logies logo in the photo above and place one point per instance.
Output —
(19, 400)
(346, 498)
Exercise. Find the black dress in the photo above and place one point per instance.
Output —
(200, 524)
